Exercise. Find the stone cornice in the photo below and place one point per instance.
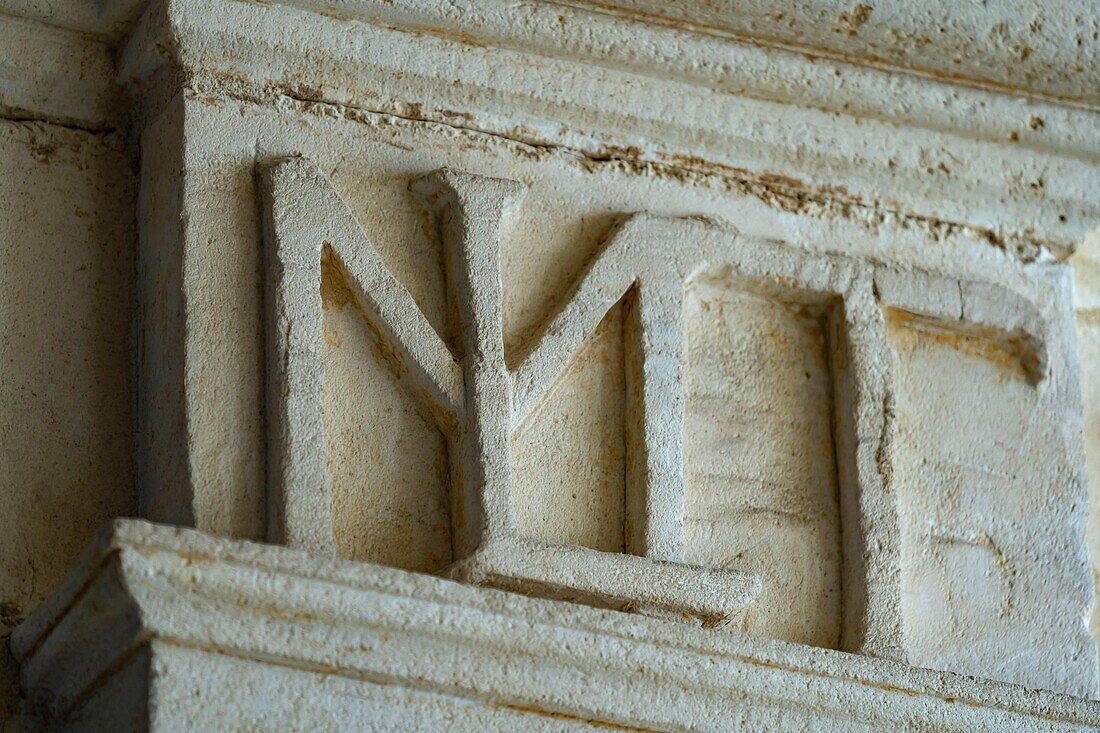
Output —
(57, 76)
(764, 68)
(142, 585)
(824, 133)
(825, 137)
(1043, 50)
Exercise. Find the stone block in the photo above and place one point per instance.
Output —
(161, 629)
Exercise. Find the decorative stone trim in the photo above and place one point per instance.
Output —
(815, 136)
(208, 633)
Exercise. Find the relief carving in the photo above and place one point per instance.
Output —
(760, 427)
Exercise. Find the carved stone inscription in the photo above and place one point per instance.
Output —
(745, 417)
(470, 392)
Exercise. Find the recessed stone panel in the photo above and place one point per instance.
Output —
(568, 456)
(759, 465)
(973, 466)
(386, 460)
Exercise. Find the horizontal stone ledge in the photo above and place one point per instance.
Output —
(622, 582)
(818, 138)
(169, 627)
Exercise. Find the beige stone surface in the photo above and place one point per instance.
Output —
(57, 76)
(804, 327)
(1046, 49)
(760, 474)
(390, 498)
(575, 494)
(308, 228)
(374, 182)
(749, 317)
(810, 135)
(268, 638)
(368, 161)
(871, 202)
(66, 267)
(1086, 303)
(971, 474)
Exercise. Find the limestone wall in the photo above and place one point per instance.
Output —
(957, 578)
(759, 336)
(65, 397)
(67, 249)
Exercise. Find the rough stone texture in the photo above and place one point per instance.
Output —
(818, 137)
(197, 632)
(969, 477)
(66, 264)
(222, 221)
(390, 499)
(1043, 48)
(477, 416)
(753, 319)
(576, 495)
(946, 617)
(59, 76)
(1086, 303)
(66, 281)
(760, 458)
(374, 181)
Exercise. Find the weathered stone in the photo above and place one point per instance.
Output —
(162, 629)
(66, 271)
(762, 325)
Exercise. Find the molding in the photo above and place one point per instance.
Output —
(689, 593)
(143, 590)
(57, 76)
(1051, 58)
(819, 137)
(1045, 50)
(830, 122)
(759, 67)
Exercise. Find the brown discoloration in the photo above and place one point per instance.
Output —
(1016, 355)
(782, 192)
(634, 447)
(371, 494)
(588, 722)
(335, 293)
(191, 558)
(458, 507)
(10, 614)
(1089, 317)
(451, 114)
(593, 465)
(853, 20)
(429, 229)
